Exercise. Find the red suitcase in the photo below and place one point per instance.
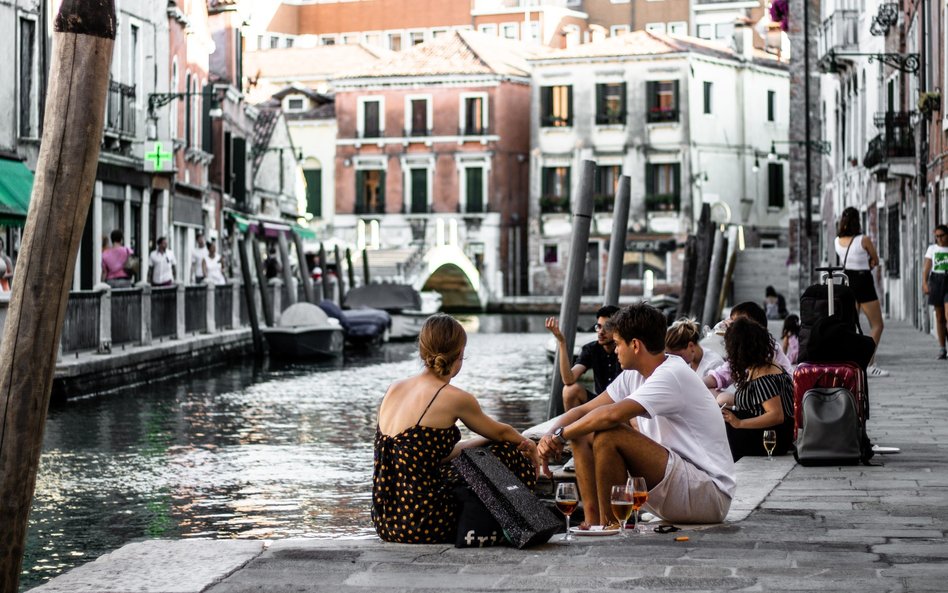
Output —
(829, 374)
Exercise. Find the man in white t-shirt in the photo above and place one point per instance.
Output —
(162, 263)
(680, 447)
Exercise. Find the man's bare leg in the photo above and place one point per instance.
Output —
(574, 396)
(621, 451)
(586, 476)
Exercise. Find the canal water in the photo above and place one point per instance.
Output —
(248, 451)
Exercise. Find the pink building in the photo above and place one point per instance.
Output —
(431, 162)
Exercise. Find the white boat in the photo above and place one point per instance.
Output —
(409, 308)
(305, 331)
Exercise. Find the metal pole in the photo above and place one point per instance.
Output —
(365, 266)
(573, 282)
(339, 276)
(808, 201)
(327, 294)
(715, 277)
(349, 269)
(620, 225)
(305, 272)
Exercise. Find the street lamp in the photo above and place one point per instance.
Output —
(756, 166)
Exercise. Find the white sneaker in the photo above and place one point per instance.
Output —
(885, 450)
(874, 371)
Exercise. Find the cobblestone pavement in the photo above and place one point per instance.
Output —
(865, 528)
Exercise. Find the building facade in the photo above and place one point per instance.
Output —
(885, 125)
(688, 121)
(431, 156)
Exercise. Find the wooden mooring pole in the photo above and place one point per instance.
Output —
(62, 191)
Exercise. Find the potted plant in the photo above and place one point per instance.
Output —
(780, 13)
(929, 103)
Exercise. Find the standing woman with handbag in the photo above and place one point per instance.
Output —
(858, 257)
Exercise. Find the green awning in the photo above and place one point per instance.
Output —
(304, 232)
(242, 223)
(16, 185)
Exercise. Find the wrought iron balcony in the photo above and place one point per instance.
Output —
(120, 112)
(662, 114)
(897, 139)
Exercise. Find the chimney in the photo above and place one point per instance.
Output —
(743, 39)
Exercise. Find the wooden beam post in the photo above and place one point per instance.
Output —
(62, 191)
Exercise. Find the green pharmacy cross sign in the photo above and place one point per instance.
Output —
(158, 158)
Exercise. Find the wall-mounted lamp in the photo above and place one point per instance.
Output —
(820, 146)
(698, 178)
(756, 166)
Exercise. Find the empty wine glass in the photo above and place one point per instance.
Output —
(567, 500)
(770, 441)
(621, 501)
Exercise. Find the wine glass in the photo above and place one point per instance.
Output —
(621, 501)
(639, 497)
(566, 501)
(770, 441)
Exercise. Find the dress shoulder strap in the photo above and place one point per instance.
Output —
(429, 403)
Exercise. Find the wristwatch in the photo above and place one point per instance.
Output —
(558, 435)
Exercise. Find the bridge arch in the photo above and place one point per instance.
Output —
(450, 272)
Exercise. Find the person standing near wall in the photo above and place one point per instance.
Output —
(858, 256)
(198, 253)
(935, 283)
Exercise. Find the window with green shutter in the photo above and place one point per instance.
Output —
(474, 189)
(419, 191)
(314, 191)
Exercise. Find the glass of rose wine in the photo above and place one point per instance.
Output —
(567, 500)
(621, 502)
(770, 441)
(639, 498)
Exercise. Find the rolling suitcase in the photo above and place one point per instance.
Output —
(525, 520)
(831, 408)
(831, 398)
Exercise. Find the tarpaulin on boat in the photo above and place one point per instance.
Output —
(390, 297)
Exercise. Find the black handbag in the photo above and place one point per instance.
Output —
(525, 520)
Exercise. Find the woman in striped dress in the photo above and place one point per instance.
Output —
(764, 396)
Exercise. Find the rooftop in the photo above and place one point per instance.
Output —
(458, 52)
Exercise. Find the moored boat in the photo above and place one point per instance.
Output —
(407, 306)
(305, 331)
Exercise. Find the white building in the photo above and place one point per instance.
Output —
(689, 121)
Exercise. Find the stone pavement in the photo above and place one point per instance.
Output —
(864, 528)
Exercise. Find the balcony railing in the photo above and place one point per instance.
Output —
(662, 114)
(898, 143)
(839, 32)
(120, 109)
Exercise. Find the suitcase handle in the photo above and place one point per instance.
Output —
(829, 269)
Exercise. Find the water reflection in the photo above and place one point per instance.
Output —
(249, 451)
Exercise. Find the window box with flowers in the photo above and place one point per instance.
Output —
(662, 202)
(551, 204)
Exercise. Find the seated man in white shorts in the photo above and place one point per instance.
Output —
(680, 447)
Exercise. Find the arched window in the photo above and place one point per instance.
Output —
(195, 114)
(187, 109)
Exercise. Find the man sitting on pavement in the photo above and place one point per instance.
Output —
(680, 447)
(600, 356)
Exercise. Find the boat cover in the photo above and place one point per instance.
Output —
(304, 314)
(358, 323)
(390, 297)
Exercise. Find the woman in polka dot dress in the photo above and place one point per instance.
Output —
(417, 434)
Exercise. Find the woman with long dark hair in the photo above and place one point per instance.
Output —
(858, 256)
(764, 396)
